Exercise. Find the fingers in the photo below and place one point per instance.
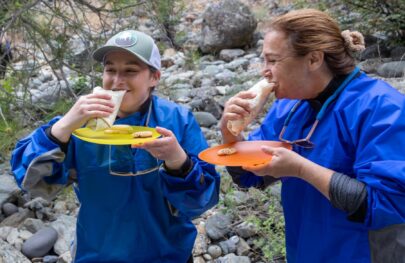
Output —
(104, 96)
(94, 105)
(163, 144)
(268, 150)
(100, 101)
(164, 132)
(260, 169)
(246, 95)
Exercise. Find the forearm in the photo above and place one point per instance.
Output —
(61, 131)
(344, 192)
(318, 176)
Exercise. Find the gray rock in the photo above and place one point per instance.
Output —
(230, 54)
(239, 63)
(215, 251)
(200, 244)
(40, 243)
(226, 77)
(9, 209)
(10, 254)
(228, 246)
(228, 24)
(65, 258)
(232, 258)
(398, 53)
(205, 119)
(198, 260)
(7, 187)
(33, 225)
(246, 229)
(13, 237)
(5, 231)
(66, 227)
(392, 69)
(242, 248)
(378, 50)
(50, 259)
(217, 226)
(37, 203)
(18, 218)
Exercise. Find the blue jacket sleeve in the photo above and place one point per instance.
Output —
(199, 190)
(37, 161)
(377, 133)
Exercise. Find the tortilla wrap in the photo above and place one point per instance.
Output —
(106, 122)
(262, 89)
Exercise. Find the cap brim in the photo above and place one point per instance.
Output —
(100, 53)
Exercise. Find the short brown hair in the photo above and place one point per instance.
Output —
(313, 30)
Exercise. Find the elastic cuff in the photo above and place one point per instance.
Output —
(350, 195)
(184, 170)
(62, 145)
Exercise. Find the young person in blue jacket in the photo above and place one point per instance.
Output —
(343, 183)
(144, 218)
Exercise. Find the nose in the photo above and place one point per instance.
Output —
(119, 81)
(266, 72)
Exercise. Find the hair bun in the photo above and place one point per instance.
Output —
(354, 40)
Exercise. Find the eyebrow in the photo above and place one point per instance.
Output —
(270, 54)
(130, 63)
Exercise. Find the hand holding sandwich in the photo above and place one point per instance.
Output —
(242, 109)
(90, 106)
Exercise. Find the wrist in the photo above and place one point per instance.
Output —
(177, 163)
(61, 132)
(183, 171)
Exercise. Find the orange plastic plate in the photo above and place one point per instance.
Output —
(99, 137)
(248, 153)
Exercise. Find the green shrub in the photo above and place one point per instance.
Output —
(367, 16)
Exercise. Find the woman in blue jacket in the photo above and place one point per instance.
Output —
(343, 183)
(144, 218)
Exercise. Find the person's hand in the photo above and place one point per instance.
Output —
(284, 162)
(90, 106)
(166, 148)
(236, 108)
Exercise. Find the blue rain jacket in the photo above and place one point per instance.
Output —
(361, 135)
(145, 218)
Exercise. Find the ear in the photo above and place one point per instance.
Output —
(315, 60)
(155, 77)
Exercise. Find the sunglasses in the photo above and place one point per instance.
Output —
(123, 160)
(131, 162)
(305, 142)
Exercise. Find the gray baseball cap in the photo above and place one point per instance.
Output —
(137, 43)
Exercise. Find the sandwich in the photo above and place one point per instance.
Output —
(262, 89)
(107, 122)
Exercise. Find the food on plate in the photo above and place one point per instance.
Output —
(262, 89)
(106, 122)
(119, 129)
(142, 134)
(226, 151)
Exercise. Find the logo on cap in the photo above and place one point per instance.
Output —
(125, 39)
